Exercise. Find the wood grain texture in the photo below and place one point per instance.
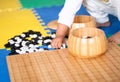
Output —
(87, 42)
(60, 66)
(83, 21)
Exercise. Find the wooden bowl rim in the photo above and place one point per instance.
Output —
(86, 16)
(101, 31)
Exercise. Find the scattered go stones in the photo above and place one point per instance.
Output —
(30, 41)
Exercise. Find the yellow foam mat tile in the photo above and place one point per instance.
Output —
(14, 23)
(8, 5)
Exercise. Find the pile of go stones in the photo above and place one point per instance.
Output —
(31, 41)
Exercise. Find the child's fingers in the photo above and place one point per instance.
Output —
(59, 44)
(54, 43)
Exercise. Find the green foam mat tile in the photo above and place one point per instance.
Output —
(40, 3)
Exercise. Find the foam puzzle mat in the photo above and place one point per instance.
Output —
(14, 23)
(40, 3)
(9, 5)
(18, 16)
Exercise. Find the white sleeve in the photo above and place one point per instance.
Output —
(67, 14)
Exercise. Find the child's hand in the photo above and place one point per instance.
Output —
(57, 42)
(60, 35)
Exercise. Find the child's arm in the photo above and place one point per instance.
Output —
(62, 30)
(67, 14)
(66, 17)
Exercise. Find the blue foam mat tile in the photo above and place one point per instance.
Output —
(40, 20)
(4, 74)
(48, 14)
(115, 26)
(51, 13)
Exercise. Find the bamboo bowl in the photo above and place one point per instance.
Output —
(87, 42)
(82, 21)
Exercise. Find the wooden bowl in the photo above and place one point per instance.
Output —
(87, 42)
(82, 21)
(79, 21)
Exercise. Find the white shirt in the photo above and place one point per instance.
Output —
(68, 12)
(66, 16)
